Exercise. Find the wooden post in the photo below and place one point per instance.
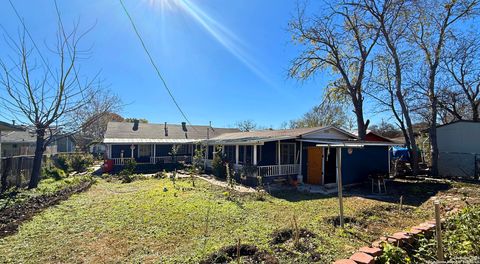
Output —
(438, 227)
(279, 157)
(401, 202)
(237, 154)
(238, 251)
(300, 177)
(339, 181)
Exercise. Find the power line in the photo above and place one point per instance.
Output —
(154, 65)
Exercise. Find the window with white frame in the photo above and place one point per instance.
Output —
(144, 150)
(287, 153)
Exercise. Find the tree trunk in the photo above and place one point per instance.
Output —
(433, 132)
(361, 127)
(37, 160)
(475, 114)
(411, 135)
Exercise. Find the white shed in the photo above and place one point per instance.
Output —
(459, 149)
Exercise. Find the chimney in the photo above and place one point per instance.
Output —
(135, 124)
(13, 122)
(184, 126)
(166, 129)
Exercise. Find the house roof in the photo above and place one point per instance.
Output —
(27, 135)
(8, 127)
(129, 133)
(457, 121)
(271, 135)
(18, 137)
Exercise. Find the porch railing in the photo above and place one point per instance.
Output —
(278, 170)
(169, 159)
(274, 170)
(121, 161)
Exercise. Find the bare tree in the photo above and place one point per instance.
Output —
(392, 19)
(47, 95)
(431, 29)
(462, 63)
(340, 40)
(246, 125)
(325, 114)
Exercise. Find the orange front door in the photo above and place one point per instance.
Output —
(314, 165)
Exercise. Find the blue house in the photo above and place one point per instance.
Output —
(307, 155)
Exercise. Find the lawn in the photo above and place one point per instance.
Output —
(152, 221)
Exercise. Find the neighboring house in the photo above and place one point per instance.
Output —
(22, 143)
(459, 149)
(97, 148)
(5, 128)
(65, 143)
(306, 154)
(153, 143)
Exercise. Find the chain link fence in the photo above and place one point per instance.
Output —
(457, 164)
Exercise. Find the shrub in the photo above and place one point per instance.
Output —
(461, 237)
(393, 255)
(80, 162)
(219, 165)
(63, 162)
(53, 173)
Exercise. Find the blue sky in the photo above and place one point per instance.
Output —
(224, 61)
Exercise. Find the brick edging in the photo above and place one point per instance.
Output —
(368, 255)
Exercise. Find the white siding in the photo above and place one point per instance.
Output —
(329, 133)
(459, 149)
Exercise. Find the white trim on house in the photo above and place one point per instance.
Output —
(148, 140)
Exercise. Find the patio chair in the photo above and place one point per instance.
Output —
(379, 180)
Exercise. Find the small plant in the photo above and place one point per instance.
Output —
(219, 164)
(198, 157)
(173, 177)
(173, 152)
(161, 174)
(296, 232)
(230, 180)
(393, 255)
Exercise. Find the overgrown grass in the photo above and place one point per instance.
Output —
(151, 221)
(45, 187)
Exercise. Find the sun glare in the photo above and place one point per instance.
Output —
(220, 33)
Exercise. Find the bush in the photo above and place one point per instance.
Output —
(53, 173)
(74, 162)
(63, 162)
(80, 162)
(461, 237)
(219, 165)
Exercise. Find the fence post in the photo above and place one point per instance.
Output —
(438, 227)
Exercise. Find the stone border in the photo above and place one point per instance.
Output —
(368, 255)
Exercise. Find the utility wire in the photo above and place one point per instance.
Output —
(155, 65)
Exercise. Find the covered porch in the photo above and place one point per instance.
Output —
(144, 153)
(270, 159)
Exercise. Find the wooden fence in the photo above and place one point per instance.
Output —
(15, 171)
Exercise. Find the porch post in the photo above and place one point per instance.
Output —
(339, 182)
(279, 156)
(154, 153)
(254, 154)
(237, 154)
(244, 154)
(300, 176)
